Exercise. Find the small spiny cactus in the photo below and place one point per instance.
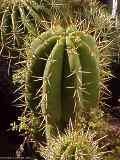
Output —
(77, 145)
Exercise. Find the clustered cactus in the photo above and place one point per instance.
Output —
(63, 73)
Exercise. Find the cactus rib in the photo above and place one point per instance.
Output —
(51, 102)
(36, 71)
(89, 58)
(75, 72)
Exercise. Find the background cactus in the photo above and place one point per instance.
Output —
(20, 17)
(17, 18)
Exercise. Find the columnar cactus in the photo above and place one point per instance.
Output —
(63, 77)
(65, 70)
(69, 88)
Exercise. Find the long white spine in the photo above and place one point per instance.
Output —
(114, 8)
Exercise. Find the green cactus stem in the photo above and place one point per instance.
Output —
(63, 77)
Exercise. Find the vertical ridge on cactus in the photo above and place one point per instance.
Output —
(51, 101)
(76, 77)
(90, 70)
(36, 72)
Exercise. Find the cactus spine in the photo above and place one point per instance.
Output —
(87, 48)
(64, 87)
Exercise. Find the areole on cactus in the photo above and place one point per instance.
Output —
(63, 76)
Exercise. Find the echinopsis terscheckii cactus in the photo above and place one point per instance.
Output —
(63, 77)
(81, 78)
